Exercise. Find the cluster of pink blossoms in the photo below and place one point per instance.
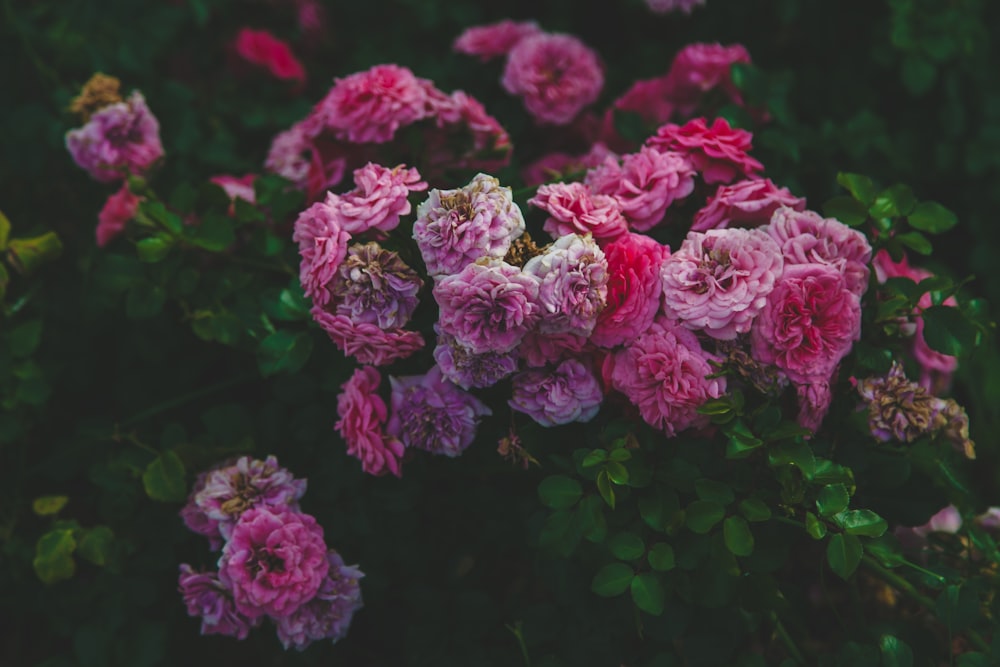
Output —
(556, 75)
(273, 563)
(360, 121)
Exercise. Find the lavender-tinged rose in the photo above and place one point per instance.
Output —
(210, 600)
(568, 393)
(329, 614)
(375, 286)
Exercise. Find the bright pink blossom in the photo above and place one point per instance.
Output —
(744, 204)
(466, 137)
(120, 139)
(574, 209)
(363, 414)
(700, 68)
(322, 247)
(370, 106)
(718, 281)
(567, 393)
(664, 372)
(368, 343)
(634, 288)
(809, 323)
(378, 200)
(117, 211)
(289, 155)
(719, 152)
(494, 40)
(556, 75)
(237, 187)
(274, 562)
(261, 48)
(645, 184)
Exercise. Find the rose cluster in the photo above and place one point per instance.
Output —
(273, 560)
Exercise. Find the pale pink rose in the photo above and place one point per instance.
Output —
(717, 282)
(664, 373)
(572, 276)
(556, 75)
(806, 237)
(744, 204)
(645, 184)
(634, 288)
(809, 323)
(494, 40)
(366, 342)
(363, 415)
(117, 211)
(700, 68)
(574, 209)
(288, 157)
(370, 106)
(947, 520)
(261, 48)
(378, 200)
(322, 246)
(237, 187)
(719, 152)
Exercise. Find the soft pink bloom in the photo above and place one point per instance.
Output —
(237, 187)
(432, 414)
(274, 562)
(370, 106)
(572, 276)
(378, 200)
(700, 68)
(574, 209)
(650, 98)
(809, 323)
(806, 237)
(488, 307)
(947, 520)
(718, 281)
(117, 211)
(664, 372)
(288, 157)
(457, 227)
(210, 600)
(719, 152)
(261, 48)
(495, 39)
(121, 139)
(568, 393)
(744, 204)
(645, 184)
(665, 6)
(634, 288)
(363, 414)
(368, 343)
(329, 614)
(555, 166)
(322, 246)
(556, 75)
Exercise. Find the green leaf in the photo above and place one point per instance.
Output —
(158, 212)
(886, 550)
(154, 249)
(617, 473)
(620, 455)
(284, 352)
(860, 187)
(594, 457)
(215, 233)
(916, 242)
(958, 607)
(918, 74)
(163, 478)
(795, 453)
(247, 212)
(739, 539)
(561, 533)
(848, 210)
(661, 557)
(26, 255)
(843, 553)
(4, 231)
(288, 305)
(893, 202)
(630, 125)
(612, 579)
(49, 505)
(54, 556)
(627, 546)
(974, 659)
(647, 593)
(862, 522)
(719, 492)
(755, 509)
(702, 515)
(559, 492)
(144, 300)
(24, 338)
(95, 545)
(592, 521)
(815, 527)
(605, 488)
(947, 330)
(932, 218)
(832, 499)
(895, 652)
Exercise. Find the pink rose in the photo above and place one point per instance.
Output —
(261, 48)
(117, 211)
(554, 166)
(237, 187)
(322, 246)
(362, 419)
(370, 106)
(493, 40)
(378, 200)
(120, 139)
(368, 343)
(573, 209)
(719, 152)
(744, 204)
(634, 288)
(568, 393)
(700, 68)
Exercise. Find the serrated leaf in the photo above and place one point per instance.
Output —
(661, 557)
(947, 330)
(843, 553)
(814, 527)
(95, 545)
(49, 505)
(931, 217)
(163, 478)
(848, 210)
(284, 352)
(627, 546)
(832, 499)
(860, 187)
(702, 515)
(916, 242)
(647, 593)
(54, 556)
(861, 522)
(738, 538)
(559, 491)
(612, 579)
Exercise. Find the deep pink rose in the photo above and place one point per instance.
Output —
(378, 200)
(809, 323)
(366, 342)
(237, 187)
(556, 75)
(363, 414)
(274, 562)
(814, 402)
(322, 246)
(645, 184)
(117, 211)
(370, 106)
(634, 288)
(121, 139)
(574, 209)
(261, 48)
(700, 68)
(744, 204)
(719, 152)
(494, 40)
(538, 349)
(465, 136)
(210, 600)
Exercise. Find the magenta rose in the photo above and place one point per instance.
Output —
(322, 247)
(370, 106)
(701, 68)
(720, 153)
(494, 40)
(574, 209)
(328, 615)
(117, 211)
(210, 600)
(468, 370)
(363, 414)
(261, 48)
(374, 286)
(120, 139)
(378, 200)
(368, 343)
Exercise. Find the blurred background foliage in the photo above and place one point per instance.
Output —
(901, 90)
